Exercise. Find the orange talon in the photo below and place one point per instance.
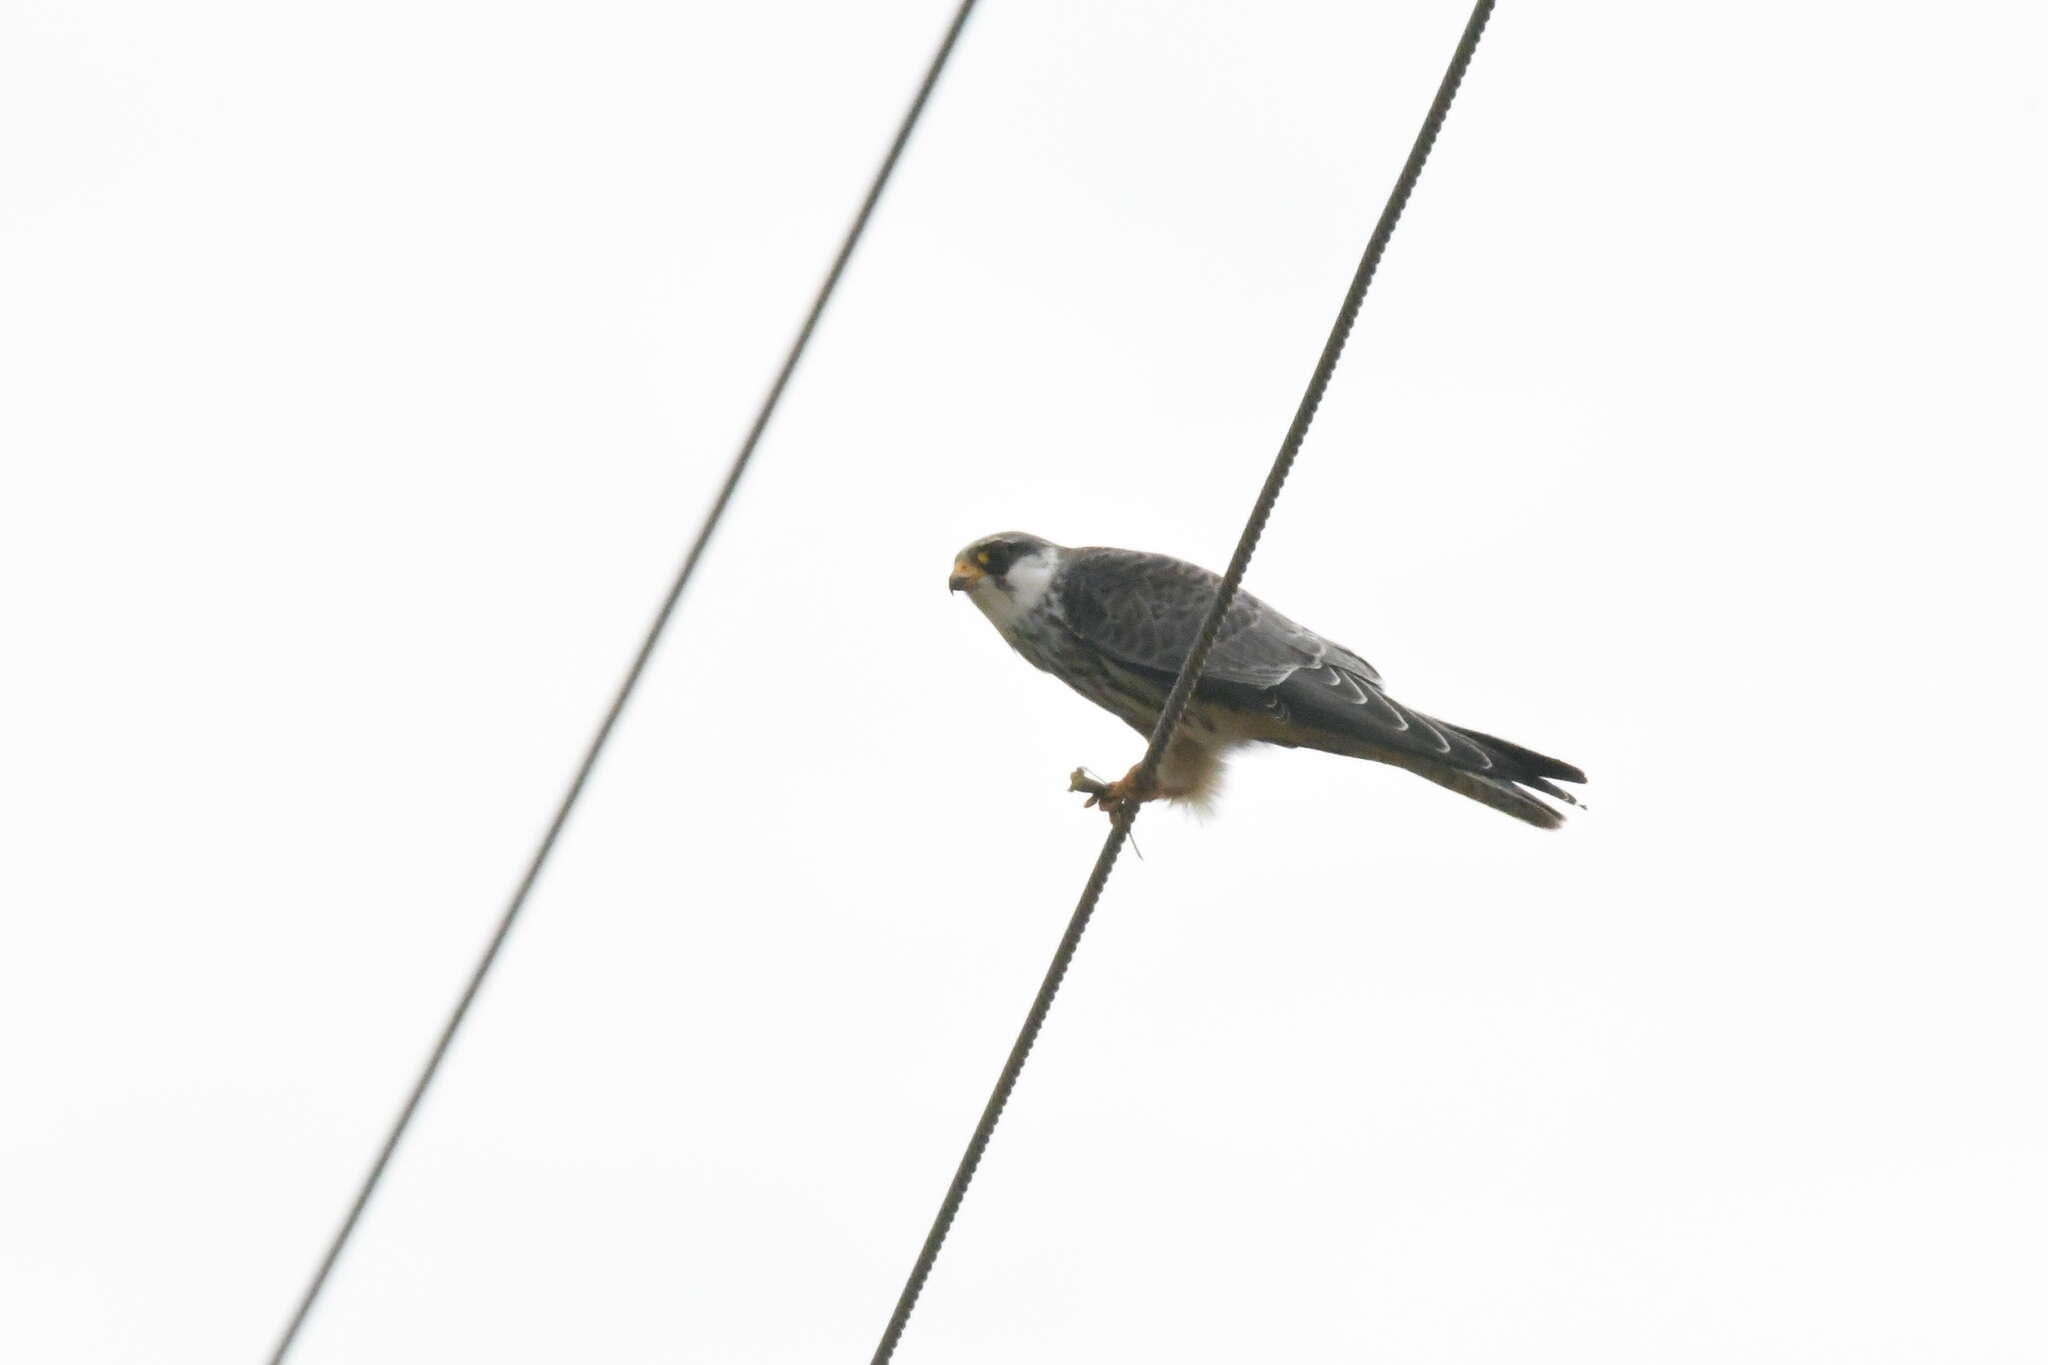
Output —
(1110, 797)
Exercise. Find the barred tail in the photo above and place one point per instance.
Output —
(1514, 767)
(1499, 793)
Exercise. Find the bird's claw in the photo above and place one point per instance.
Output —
(1110, 797)
(1084, 781)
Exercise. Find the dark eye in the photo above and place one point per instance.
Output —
(996, 558)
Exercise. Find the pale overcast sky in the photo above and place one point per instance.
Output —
(364, 370)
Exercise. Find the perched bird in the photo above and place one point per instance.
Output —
(1116, 626)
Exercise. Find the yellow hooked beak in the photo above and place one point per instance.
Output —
(966, 574)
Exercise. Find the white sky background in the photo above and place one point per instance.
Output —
(367, 368)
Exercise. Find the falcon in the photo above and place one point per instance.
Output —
(1116, 626)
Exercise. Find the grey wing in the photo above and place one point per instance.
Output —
(1145, 610)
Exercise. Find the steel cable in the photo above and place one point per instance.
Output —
(627, 684)
(1183, 688)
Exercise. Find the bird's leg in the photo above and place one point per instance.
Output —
(1112, 796)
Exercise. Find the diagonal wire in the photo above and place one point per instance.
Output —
(1176, 703)
(630, 681)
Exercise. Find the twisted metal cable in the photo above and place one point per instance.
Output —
(627, 684)
(1177, 699)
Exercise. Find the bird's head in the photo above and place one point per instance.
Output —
(1005, 575)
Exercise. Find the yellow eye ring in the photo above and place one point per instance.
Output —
(981, 558)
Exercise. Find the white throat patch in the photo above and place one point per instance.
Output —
(1028, 581)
